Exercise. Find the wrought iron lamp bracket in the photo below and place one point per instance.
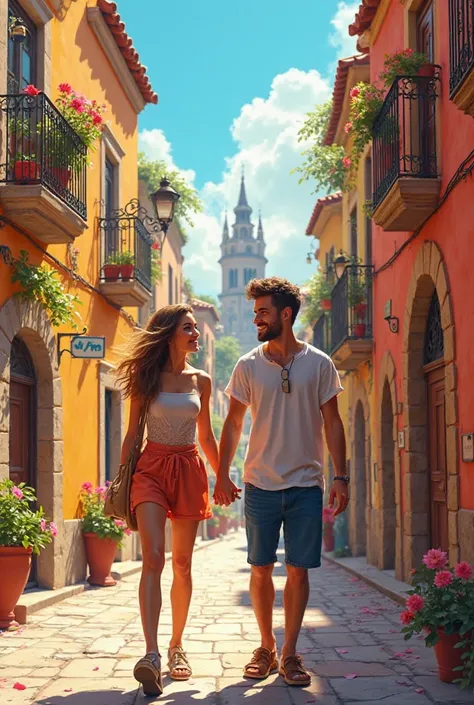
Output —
(67, 335)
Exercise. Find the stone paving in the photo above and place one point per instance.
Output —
(82, 651)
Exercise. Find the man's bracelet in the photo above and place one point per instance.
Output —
(344, 478)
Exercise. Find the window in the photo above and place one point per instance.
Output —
(243, 233)
(21, 55)
(424, 31)
(233, 279)
(353, 232)
(170, 284)
(368, 221)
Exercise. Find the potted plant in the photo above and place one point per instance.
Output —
(325, 291)
(102, 535)
(358, 302)
(441, 605)
(212, 527)
(23, 531)
(25, 168)
(111, 268)
(405, 63)
(127, 265)
(366, 102)
(328, 529)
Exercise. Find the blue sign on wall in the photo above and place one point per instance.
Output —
(86, 346)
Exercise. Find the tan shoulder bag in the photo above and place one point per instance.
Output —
(117, 499)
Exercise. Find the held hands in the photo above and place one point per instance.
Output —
(339, 492)
(225, 491)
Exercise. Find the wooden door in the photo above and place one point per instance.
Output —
(437, 458)
(20, 432)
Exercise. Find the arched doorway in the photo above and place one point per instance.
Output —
(359, 546)
(387, 478)
(434, 369)
(22, 462)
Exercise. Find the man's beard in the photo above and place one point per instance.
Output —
(270, 332)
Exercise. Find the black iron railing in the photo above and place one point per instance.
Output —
(125, 245)
(404, 134)
(461, 41)
(351, 305)
(321, 332)
(38, 145)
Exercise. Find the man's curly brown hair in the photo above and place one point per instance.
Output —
(284, 294)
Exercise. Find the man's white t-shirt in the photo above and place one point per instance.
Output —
(286, 440)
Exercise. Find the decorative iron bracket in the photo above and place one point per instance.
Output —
(67, 335)
(6, 254)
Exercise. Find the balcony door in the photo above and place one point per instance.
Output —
(21, 55)
(424, 33)
(427, 107)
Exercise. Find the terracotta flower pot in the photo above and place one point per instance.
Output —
(212, 531)
(100, 554)
(448, 656)
(26, 171)
(223, 525)
(15, 564)
(427, 70)
(325, 304)
(62, 174)
(328, 538)
(359, 330)
(126, 271)
(111, 272)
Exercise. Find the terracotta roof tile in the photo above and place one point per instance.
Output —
(320, 204)
(125, 44)
(339, 92)
(363, 19)
(205, 306)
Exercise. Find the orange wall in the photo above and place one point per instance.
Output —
(451, 228)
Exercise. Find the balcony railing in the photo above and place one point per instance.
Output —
(39, 146)
(461, 42)
(321, 332)
(404, 134)
(351, 306)
(125, 247)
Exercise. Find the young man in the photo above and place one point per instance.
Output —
(290, 387)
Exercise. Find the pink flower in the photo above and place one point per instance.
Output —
(443, 578)
(100, 490)
(107, 484)
(415, 603)
(128, 532)
(435, 559)
(17, 492)
(77, 104)
(406, 617)
(463, 570)
(43, 524)
(30, 89)
(354, 92)
(155, 246)
(347, 127)
(65, 88)
(53, 528)
(119, 523)
(346, 162)
(87, 487)
(96, 118)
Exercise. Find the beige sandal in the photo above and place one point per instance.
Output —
(178, 661)
(262, 663)
(147, 671)
(291, 667)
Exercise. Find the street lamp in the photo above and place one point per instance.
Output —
(340, 264)
(18, 30)
(164, 200)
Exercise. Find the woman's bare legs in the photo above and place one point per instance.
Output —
(183, 537)
(151, 519)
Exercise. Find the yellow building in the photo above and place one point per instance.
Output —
(342, 227)
(62, 418)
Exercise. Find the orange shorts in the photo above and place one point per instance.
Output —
(173, 477)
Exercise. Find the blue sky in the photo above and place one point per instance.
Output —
(235, 81)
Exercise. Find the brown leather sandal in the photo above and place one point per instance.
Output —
(293, 671)
(147, 671)
(262, 663)
(178, 664)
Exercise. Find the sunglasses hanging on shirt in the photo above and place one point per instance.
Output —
(285, 377)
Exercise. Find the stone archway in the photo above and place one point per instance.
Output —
(429, 275)
(29, 322)
(360, 517)
(390, 517)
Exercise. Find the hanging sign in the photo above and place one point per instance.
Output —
(88, 346)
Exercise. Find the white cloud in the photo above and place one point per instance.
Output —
(340, 39)
(266, 137)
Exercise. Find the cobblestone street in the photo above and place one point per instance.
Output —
(82, 651)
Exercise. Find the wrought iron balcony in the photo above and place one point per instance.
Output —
(125, 255)
(351, 317)
(461, 54)
(39, 150)
(321, 332)
(406, 182)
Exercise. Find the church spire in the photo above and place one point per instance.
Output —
(225, 230)
(242, 196)
(260, 227)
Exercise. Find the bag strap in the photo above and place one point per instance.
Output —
(141, 429)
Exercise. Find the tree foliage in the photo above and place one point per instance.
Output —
(208, 299)
(227, 353)
(152, 172)
(322, 163)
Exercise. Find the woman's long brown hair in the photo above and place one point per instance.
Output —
(147, 353)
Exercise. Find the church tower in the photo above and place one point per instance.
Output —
(242, 259)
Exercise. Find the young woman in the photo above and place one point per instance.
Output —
(170, 478)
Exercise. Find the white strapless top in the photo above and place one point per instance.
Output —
(172, 418)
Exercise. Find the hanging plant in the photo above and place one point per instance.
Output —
(156, 272)
(401, 63)
(366, 101)
(40, 283)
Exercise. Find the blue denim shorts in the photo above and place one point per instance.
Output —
(299, 510)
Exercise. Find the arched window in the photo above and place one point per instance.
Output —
(434, 338)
